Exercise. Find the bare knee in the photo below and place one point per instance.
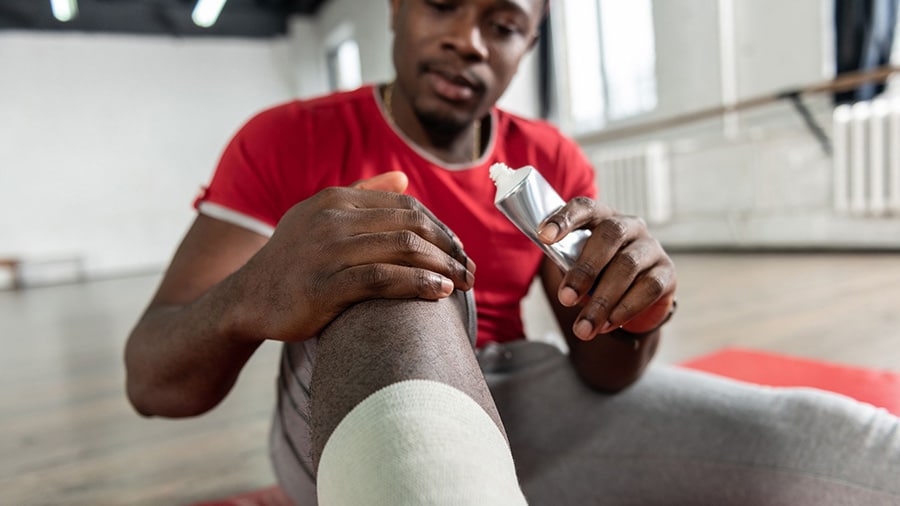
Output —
(380, 342)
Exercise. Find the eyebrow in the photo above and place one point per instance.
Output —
(515, 5)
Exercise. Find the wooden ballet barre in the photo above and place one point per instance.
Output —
(843, 82)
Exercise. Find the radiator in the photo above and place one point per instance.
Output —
(867, 158)
(636, 180)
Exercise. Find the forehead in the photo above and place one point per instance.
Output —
(528, 7)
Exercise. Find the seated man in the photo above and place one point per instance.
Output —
(359, 283)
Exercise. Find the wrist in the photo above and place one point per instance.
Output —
(237, 319)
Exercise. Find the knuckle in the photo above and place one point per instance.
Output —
(407, 201)
(330, 194)
(613, 230)
(583, 201)
(418, 220)
(455, 268)
(329, 215)
(625, 309)
(599, 304)
(427, 282)
(656, 286)
(327, 219)
(629, 261)
(582, 273)
(407, 240)
(377, 277)
(563, 219)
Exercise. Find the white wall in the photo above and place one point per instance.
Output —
(759, 179)
(767, 46)
(104, 140)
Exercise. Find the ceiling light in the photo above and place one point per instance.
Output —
(64, 10)
(206, 12)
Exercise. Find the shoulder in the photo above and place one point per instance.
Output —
(537, 136)
(541, 144)
(514, 126)
(288, 116)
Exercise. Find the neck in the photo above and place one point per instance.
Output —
(462, 145)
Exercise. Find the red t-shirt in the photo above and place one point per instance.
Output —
(288, 153)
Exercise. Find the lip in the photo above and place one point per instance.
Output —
(451, 85)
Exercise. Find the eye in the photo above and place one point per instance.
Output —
(442, 7)
(504, 30)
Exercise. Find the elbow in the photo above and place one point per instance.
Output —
(138, 398)
(612, 365)
(152, 396)
(608, 381)
(171, 402)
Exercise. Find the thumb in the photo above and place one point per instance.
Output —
(394, 181)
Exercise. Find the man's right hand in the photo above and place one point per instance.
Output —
(346, 245)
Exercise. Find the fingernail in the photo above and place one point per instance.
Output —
(568, 296)
(446, 286)
(549, 231)
(470, 265)
(583, 329)
(608, 327)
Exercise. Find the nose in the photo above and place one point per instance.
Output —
(464, 36)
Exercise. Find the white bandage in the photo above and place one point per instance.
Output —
(417, 442)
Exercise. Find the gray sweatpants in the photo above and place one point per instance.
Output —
(676, 437)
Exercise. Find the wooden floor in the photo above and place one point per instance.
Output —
(69, 436)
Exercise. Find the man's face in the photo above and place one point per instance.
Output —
(454, 58)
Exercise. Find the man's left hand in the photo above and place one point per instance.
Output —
(632, 277)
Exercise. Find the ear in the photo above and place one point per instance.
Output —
(534, 40)
(395, 6)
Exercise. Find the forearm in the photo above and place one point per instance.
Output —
(608, 362)
(183, 360)
(612, 362)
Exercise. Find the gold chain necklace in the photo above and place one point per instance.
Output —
(388, 101)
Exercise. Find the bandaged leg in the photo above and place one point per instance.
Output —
(417, 442)
(408, 434)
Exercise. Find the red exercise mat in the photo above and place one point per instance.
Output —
(880, 388)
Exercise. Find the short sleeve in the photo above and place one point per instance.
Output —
(579, 179)
(246, 188)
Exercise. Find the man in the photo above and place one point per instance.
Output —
(350, 227)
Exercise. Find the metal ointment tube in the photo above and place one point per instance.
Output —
(527, 199)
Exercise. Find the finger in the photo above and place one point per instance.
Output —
(394, 181)
(618, 278)
(640, 301)
(368, 221)
(387, 281)
(336, 199)
(645, 320)
(405, 248)
(613, 283)
(575, 214)
(606, 241)
(638, 311)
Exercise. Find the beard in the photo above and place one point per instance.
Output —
(442, 129)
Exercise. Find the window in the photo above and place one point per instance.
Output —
(344, 72)
(608, 58)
